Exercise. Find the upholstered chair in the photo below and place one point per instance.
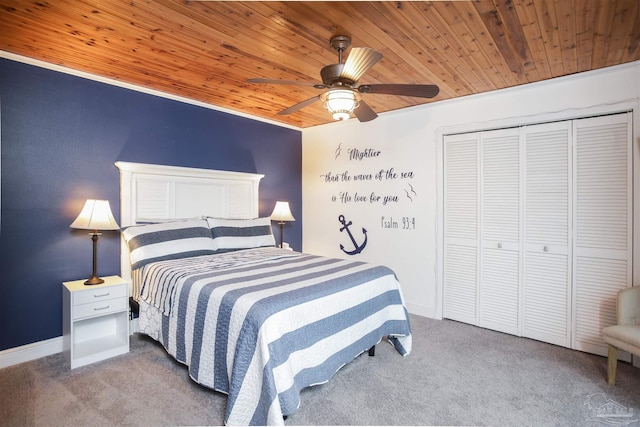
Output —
(626, 334)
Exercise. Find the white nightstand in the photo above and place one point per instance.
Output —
(95, 320)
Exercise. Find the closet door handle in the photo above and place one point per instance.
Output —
(499, 245)
(546, 249)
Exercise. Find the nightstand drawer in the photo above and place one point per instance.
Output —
(100, 308)
(99, 294)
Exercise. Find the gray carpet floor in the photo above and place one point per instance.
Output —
(457, 374)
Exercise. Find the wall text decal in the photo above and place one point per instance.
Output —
(360, 178)
(372, 197)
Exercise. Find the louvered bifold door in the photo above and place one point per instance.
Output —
(602, 222)
(460, 227)
(546, 290)
(500, 230)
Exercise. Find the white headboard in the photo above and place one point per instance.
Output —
(152, 193)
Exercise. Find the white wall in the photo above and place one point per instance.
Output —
(409, 141)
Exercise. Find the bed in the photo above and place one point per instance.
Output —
(251, 320)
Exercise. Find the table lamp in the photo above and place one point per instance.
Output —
(95, 215)
(281, 213)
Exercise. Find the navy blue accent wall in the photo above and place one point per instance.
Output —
(60, 136)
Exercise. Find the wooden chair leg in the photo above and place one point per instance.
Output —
(612, 363)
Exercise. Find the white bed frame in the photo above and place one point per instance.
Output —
(153, 193)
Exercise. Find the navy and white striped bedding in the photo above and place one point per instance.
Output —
(262, 324)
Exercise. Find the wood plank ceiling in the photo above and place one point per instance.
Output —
(206, 50)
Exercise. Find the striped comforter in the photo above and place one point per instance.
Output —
(262, 324)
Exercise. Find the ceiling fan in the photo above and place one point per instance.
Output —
(343, 96)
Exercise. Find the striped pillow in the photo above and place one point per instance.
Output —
(234, 234)
(168, 240)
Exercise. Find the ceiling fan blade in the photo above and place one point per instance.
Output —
(299, 106)
(364, 113)
(282, 82)
(420, 91)
(360, 59)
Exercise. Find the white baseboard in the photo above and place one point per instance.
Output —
(36, 350)
(25, 353)
(420, 310)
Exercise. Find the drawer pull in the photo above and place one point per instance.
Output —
(103, 295)
(100, 308)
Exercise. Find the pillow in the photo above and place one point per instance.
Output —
(234, 234)
(168, 240)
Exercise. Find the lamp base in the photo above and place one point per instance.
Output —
(93, 281)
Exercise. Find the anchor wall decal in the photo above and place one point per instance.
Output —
(357, 248)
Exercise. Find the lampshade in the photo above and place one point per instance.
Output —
(95, 215)
(340, 102)
(281, 212)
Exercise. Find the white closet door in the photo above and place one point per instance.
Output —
(602, 223)
(546, 296)
(460, 227)
(500, 230)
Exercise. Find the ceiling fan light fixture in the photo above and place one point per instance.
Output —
(340, 102)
